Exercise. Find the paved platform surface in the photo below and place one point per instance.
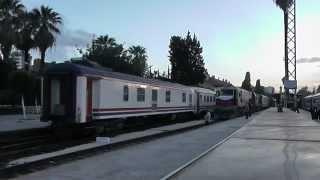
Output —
(113, 140)
(272, 146)
(148, 160)
(16, 122)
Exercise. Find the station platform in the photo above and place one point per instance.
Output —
(272, 146)
(9, 123)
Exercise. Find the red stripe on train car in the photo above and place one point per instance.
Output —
(140, 108)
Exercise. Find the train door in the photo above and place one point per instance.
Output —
(190, 100)
(89, 99)
(154, 98)
(199, 98)
(58, 96)
(235, 97)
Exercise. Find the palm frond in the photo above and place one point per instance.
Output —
(283, 4)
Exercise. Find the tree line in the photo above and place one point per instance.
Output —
(246, 84)
(38, 28)
(185, 57)
(27, 29)
(23, 29)
(304, 91)
(107, 52)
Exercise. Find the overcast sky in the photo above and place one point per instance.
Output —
(236, 35)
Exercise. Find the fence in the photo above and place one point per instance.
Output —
(17, 109)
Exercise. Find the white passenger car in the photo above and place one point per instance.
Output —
(78, 94)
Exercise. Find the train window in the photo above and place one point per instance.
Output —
(154, 95)
(211, 98)
(184, 98)
(125, 93)
(200, 98)
(207, 98)
(190, 98)
(226, 92)
(141, 94)
(168, 96)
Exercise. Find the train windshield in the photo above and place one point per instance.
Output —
(226, 92)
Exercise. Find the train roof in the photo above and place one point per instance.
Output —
(204, 90)
(240, 88)
(76, 69)
(312, 95)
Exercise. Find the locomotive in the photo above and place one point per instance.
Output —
(231, 101)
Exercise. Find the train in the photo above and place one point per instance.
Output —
(78, 95)
(231, 101)
(75, 95)
(311, 101)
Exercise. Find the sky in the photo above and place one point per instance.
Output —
(236, 36)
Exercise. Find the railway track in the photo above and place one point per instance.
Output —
(13, 171)
(15, 145)
(21, 144)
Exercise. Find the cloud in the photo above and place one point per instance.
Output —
(74, 38)
(67, 44)
(308, 60)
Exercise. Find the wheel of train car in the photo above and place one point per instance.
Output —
(100, 130)
(62, 132)
(173, 117)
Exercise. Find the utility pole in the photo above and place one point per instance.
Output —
(291, 48)
(290, 79)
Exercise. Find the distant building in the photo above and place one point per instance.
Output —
(18, 57)
(269, 90)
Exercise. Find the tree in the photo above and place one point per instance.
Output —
(10, 11)
(108, 53)
(5, 68)
(138, 60)
(304, 91)
(259, 89)
(24, 84)
(47, 21)
(25, 36)
(246, 83)
(187, 64)
(318, 89)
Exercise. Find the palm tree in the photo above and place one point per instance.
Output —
(138, 59)
(47, 21)
(25, 36)
(138, 51)
(105, 42)
(10, 11)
